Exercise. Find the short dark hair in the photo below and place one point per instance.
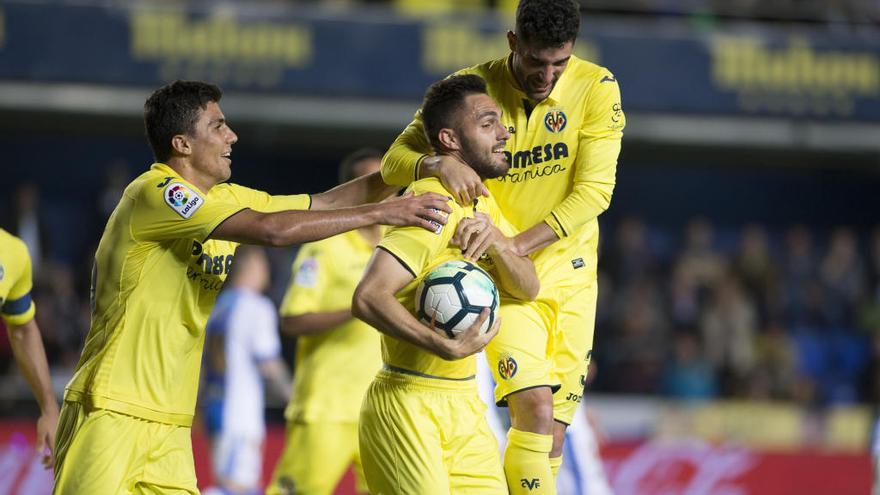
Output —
(346, 166)
(548, 23)
(443, 100)
(174, 109)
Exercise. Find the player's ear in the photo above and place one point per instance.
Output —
(449, 139)
(511, 41)
(180, 144)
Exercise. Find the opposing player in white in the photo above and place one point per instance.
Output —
(242, 348)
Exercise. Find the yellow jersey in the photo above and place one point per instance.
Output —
(333, 368)
(16, 304)
(420, 251)
(563, 159)
(155, 279)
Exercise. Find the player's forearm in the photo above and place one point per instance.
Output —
(313, 323)
(27, 347)
(534, 239)
(516, 274)
(367, 189)
(275, 372)
(383, 312)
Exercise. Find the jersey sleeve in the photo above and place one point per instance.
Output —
(415, 247)
(176, 211)
(266, 344)
(596, 163)
(18, 308)
(400, 165)
(310, 276)
(268, 203)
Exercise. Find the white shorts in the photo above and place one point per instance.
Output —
(239, 459)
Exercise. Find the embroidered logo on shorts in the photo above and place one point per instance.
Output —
(507, 367)
(182, 199)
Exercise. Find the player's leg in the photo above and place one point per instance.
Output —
(572, 345)
(315, 458)
(400, 443)
(472, 455)
(98, 452)
(520, 364)
(238, 462)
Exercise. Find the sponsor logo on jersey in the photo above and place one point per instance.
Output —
(577, 263)
(555, 120)
(507, 367)
(182, 199)
(608, 79)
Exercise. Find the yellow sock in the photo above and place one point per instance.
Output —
(527, 463)
(555, 464)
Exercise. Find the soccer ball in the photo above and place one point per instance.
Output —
(452, 296)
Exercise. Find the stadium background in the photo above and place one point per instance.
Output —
(738, 344)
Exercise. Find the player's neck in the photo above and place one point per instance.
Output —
(191, 175)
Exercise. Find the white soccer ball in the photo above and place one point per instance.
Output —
(452, 296)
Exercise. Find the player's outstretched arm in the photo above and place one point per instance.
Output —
(27, 347)
(374, 303)
(516, 273)
(365, 189)
(285, 228)
(313, 323)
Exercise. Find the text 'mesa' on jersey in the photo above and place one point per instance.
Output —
(155, 279)
(420, 251)
(16, 304)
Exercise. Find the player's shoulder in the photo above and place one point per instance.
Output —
(12, 244)
(492, 71)
(428, 184)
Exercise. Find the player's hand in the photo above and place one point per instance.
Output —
(46, 426)
(461, 180)
(428, 210)
(471, 341)
(478, 235)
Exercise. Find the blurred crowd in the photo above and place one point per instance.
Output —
(788, 314)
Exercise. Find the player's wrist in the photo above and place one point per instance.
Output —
(429, 167)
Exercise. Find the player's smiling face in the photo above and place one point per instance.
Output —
(211, 145)
(483, 136)
(537, 69)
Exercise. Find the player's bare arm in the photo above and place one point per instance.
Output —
(515, 272)
(374, 303)
(27, 347)
(286, 228)
(313, 323)
(367, 189)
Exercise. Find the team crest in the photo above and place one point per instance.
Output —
(507, 367)
(555, 120)
(182, 199)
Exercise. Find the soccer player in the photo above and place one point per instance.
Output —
(17, 310)
(336, 359)
(566, 121)
(166, 249)
(241, 349)
(422, 424)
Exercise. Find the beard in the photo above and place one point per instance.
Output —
(486, 164)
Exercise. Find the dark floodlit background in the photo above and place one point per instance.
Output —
(739, 315)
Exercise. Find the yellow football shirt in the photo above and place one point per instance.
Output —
(155, 278)
(16, 305)
(420, 251)
(563, 157)
(333, 368)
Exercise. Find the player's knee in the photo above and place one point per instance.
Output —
(532, 410)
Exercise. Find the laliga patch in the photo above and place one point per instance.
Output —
(555, 120)
(182, 199)
(507, 367)
(307, 275)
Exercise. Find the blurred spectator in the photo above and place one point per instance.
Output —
(688, 375)
(843, 275)
(775, 371)
(728, 327)
(25, 221)
(698, 268)
(800, 291)
(754, 266)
